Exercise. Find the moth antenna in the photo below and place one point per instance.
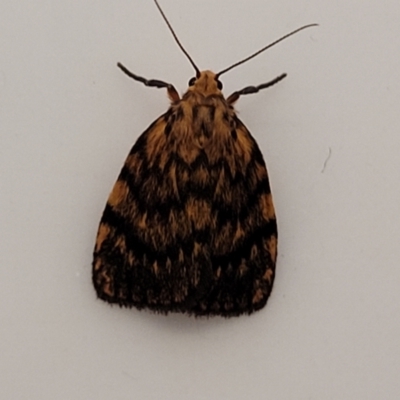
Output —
(263, 49)
(177, 40)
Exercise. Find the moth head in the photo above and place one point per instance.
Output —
(206, 83)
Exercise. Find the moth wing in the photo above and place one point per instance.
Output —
(244, 237)
(189, 228)
(144, 248)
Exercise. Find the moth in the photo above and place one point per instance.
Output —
(190, 224)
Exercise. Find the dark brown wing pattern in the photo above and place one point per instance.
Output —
(190, 225)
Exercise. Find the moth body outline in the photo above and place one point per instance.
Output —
(190, 224)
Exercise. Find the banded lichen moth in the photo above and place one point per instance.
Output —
(190, 224)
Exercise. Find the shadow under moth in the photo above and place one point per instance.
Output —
(190, 224)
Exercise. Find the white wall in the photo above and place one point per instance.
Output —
(69, 117)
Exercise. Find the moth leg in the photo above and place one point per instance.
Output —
(253, 89)
(172, 93)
